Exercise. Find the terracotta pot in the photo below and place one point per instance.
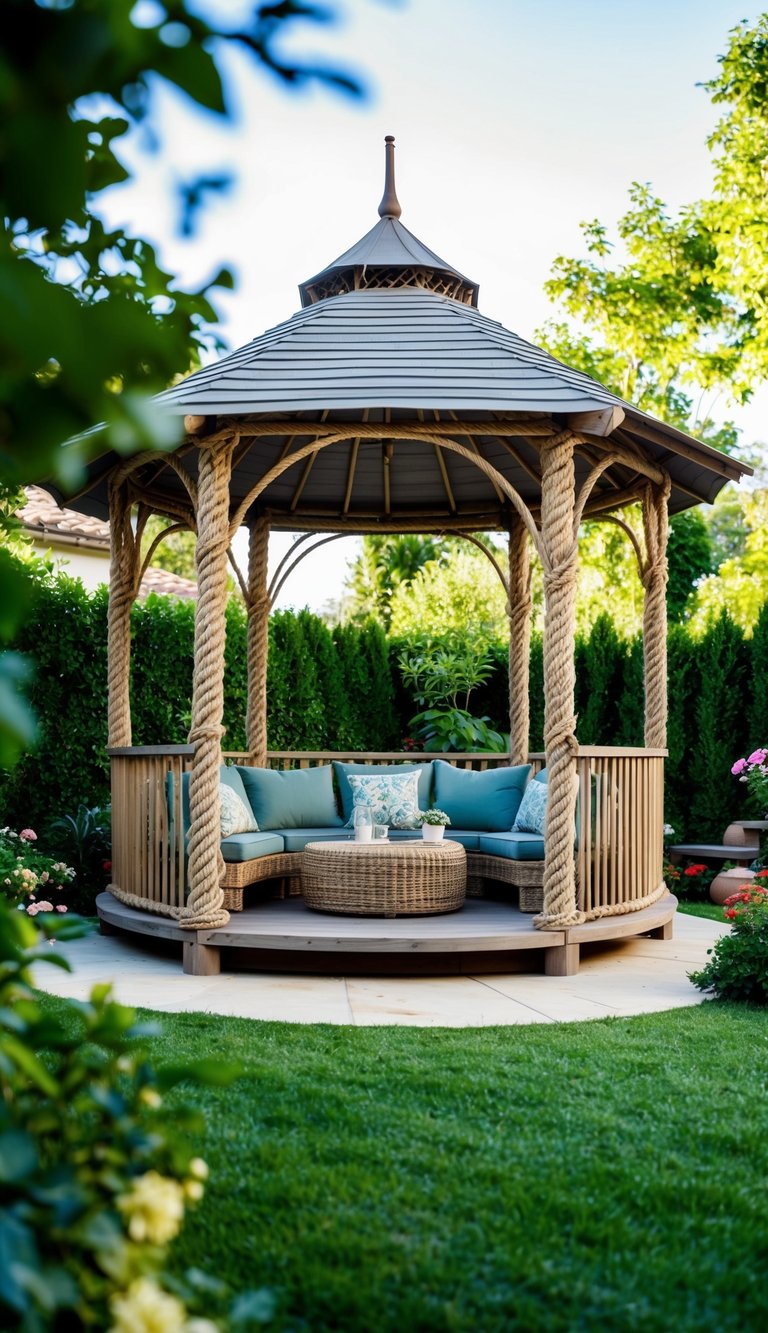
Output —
(728, 882)
(736, 836)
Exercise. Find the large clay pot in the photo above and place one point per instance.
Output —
(728, 882)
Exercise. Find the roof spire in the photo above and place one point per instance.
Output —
(389, 206)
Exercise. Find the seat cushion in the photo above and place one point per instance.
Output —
(467, 839)
(344, 770)
(291, 798)
(249, 846)
(486, 801)
(296, 839)
(513, 846)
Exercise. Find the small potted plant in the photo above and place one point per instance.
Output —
(433, 823)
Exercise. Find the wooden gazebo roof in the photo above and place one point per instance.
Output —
(389, 334)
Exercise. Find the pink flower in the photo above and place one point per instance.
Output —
(739, 767)
(756, 757)
(28, 834)
(60, 907)
(45, 907)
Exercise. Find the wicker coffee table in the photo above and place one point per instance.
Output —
(384, 878)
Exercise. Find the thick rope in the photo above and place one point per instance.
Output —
(123, 580)
(206, 866)
(519, 611)
(560, 570)
(654, 575)
(258, 642)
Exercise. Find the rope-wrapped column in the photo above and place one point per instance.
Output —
(258, 641)
(519, 611)
(123, 571)
(654, 575)
(560, 559)
(206, 866)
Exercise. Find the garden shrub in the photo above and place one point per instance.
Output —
(28, 878)
(719, 734)
(738, 962)
(599, 674)
(95, 1176)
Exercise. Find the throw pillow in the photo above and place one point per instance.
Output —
(393, 800)
(292, 797)
(487, 802)
(533, 809)
(345, 769)
(236, 817)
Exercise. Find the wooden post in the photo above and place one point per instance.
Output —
(258, 641)
(560, 556)
(122, 591)
(519, 612)
(206, 866)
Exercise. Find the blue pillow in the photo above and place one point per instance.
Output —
(291, 798)
(487, 801)
(533, 809)
(344, 771)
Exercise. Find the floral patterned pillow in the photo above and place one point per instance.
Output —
(236, 817)
(533, 809)
(393, 799)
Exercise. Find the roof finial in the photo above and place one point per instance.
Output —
(389, 206)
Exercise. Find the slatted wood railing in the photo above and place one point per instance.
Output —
(619, 836)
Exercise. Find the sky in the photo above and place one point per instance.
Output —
(515, 120)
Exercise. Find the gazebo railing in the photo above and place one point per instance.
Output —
(619, 824)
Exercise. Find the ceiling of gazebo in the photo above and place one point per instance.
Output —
(381, 350)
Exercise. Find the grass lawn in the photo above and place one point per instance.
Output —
(713, 911)
(589, 1176)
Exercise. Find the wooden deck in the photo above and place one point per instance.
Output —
(485, 935)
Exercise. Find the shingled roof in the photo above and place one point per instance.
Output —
(389, 334)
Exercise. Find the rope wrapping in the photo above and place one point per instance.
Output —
(258, 642)
(654, 577)
(519, 612)
(123, 580)
(560, 549)
(206, 866)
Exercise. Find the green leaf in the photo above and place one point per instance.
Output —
(18, 1155)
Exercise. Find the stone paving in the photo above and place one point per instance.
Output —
(638, 976)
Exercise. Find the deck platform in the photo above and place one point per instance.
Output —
(485, 935)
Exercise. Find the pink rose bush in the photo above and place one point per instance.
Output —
(30, 880)
(754, 772)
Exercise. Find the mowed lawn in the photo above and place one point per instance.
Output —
(589, 1176)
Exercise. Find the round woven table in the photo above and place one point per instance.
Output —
(384, 878)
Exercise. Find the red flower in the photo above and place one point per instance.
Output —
(694, 870)
(106, 866)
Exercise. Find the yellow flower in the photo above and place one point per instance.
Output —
(201, 1326)
(198, 1168)
(150, 1098)
(146, 1308)
(194, 1190)
(154, 1208)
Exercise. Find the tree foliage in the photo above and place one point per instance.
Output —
(92, 323)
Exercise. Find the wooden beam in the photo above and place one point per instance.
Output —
(602, 422)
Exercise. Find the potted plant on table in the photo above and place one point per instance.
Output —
(433, 824)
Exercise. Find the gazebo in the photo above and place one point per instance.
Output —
(389, 404)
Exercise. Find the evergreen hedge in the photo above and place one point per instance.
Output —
(340, 690)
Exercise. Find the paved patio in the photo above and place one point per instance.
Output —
(637, 976)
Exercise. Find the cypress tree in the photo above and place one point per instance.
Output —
(721, 728)
(599, 671)
(758, 680)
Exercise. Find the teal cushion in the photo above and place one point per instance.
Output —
(487, 801)
(249, 846)
(291, 798)
(228, 775)
(532, 814)
(513, 846)
(344, 770)
(296, 839)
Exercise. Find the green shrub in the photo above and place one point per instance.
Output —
(84, 838)
(95, 1176)
(738, 962)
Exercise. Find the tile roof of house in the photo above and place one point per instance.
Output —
(44, 520)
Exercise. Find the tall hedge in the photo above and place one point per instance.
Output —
(340, 689)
